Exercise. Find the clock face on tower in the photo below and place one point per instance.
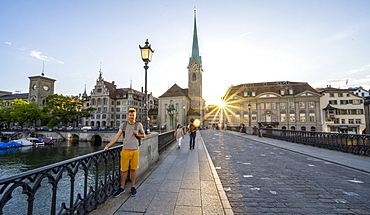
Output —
(46, 88)
(34, 87)
(194, 67)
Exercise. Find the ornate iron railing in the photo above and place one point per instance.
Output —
(351, 143)
(75, 186)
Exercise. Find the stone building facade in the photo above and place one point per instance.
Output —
(280, 105)
(179, 100)
(342, 111)
(112, 104)
(39, 88)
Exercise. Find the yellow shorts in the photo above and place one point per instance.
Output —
(129, 158)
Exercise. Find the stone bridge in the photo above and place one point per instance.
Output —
(94, 136)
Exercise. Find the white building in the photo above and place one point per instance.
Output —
(342, 111)
(359, 91)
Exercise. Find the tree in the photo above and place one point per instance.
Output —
(21, 112)
(65, 109)
(5, 114)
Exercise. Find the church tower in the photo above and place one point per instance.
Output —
(187, 103)
(195, 71)
(40, 87)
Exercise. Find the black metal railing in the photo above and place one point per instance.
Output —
(164, 140)
(74, 186)
(351, 143)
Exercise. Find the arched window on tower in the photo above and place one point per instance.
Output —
(194, 77)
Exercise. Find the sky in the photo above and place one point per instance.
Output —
(321, 42)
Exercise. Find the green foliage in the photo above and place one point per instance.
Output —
(20, 111)
(58, 109)
(52, 123)
(65, 109)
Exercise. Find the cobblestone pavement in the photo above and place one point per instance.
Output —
(263, 179)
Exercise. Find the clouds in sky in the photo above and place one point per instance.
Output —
(240, 36)
(354, 78)
(352, 71)
(39, 56)
(343, 83)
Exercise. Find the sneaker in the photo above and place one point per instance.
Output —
(133, 191)
(119, 192)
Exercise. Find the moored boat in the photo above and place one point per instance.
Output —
(4, 145)
(35, 141)
(46, 141)
(13, 144)
(24, 142)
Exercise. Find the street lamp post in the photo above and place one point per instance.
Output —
(184, 107)
(249, 114)
(241, 113)
(146, 55)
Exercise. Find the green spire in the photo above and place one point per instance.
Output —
(84, 95)
(195, 50)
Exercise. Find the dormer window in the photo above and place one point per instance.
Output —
(282, 92)
(291, 91)
(253, 93)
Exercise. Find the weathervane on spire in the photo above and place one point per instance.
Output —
(100, 72)
(43, 67)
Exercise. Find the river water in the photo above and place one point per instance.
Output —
(18, 160)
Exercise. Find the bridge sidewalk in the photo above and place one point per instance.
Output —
(182, 182)
(358, 162)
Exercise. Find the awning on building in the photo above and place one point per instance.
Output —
(329, 107)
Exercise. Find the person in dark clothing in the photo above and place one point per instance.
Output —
(192, 129)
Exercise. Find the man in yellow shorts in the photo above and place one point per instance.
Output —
(130, 150)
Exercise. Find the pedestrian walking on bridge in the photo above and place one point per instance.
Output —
(179, 135)
(192, 129)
